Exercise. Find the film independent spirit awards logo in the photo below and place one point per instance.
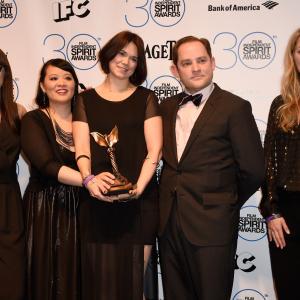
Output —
(82, 51)
(249, 294)
(252, 226)
(167, 13)
(238, 7)
(257, 50)
(166, 86)
(8, 12)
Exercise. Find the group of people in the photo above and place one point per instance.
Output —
(70, 239)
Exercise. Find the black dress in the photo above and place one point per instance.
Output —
(113, 234)
(12, 243)
(51, 208)
(281, 194)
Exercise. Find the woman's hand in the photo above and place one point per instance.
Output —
(105, 180)
(276, 230)
(100, 185)
(135, 193)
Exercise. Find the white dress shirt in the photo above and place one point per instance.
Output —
(186, 117)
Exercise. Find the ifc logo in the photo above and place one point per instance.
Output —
(63, 10)
(244, 262)
(248, 294)
(166, 86)
(252, 226)
(8, 12)
(167, 13)
(82, 51)
(257, 50)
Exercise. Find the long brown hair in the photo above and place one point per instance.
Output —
(8, 107)
(289, 111)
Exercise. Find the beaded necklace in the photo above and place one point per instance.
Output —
(62, 137)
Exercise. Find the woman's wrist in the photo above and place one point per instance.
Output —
(82, 156)
(87, 179)
(273, 217)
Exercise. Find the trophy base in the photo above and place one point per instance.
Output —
(119, 191)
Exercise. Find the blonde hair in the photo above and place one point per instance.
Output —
(289, 111)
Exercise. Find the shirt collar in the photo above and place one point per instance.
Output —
(205, 92)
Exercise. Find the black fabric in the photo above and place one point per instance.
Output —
(194, 272)
(12, 242)
(285, 262)
(39, 145)
(121, 226)
(282, 160)
(51, 222)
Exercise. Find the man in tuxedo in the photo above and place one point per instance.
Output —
(213, 162)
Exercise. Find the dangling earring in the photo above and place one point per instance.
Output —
(73, 102)
(44, 100)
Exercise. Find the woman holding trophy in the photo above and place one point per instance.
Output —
(118, 138)
(51, 198)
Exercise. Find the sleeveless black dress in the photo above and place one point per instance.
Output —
(113, 234)
(51, 223)
(12, 246)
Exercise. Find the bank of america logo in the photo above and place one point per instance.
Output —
(270, 4)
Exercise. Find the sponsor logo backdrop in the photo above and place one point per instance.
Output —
(248, 38)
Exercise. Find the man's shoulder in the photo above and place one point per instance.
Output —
(229, 97)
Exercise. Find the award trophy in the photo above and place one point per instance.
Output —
(121, 187)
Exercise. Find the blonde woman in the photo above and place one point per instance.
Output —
(281, 193)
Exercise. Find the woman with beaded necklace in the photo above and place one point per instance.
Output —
(280, 204)
(51, 197)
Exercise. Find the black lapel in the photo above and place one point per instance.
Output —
(207, 111)
(173, 115)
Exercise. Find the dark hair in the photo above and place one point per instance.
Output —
(117, 43)
(8, 108)
(41, 98)
(188, 39)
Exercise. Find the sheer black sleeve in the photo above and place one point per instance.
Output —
(269, 201)
(79, 113)
(152, 108)
(37, 145)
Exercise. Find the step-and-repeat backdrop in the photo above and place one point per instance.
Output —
(248, 38)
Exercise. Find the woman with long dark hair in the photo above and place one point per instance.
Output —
(280, 204)
(12, 247)
(51, 197)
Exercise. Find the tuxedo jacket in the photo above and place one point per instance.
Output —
(221, 166)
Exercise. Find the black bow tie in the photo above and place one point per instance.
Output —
(196, 99)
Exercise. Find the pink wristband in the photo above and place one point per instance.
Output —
(87, 179)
